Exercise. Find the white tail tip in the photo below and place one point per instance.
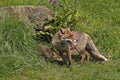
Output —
(106, 60)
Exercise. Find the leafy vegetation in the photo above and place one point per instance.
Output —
(65, 15)
(19, 59)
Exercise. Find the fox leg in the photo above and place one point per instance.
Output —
(69, 58)
(83, 56)
(88, 56)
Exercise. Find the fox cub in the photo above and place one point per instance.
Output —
(48, 53)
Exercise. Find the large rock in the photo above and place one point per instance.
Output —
(37, 15)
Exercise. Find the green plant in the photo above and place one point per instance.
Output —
(66, 14)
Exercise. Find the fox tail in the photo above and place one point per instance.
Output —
(91, 48)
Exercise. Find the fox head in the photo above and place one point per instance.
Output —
(66, 34)
(57, 57)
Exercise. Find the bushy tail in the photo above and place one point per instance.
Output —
(91, 48)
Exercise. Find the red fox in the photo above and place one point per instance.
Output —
(48, 53)
(67, 44)
(83, 43)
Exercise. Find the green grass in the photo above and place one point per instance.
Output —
(22, 2)
(19, 59)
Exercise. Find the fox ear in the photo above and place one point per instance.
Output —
(68, 28)
(61, 30)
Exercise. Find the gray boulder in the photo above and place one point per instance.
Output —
(37, 15)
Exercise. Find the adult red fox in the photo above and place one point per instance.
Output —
(48, 53)
(67, 44)
(83, 43)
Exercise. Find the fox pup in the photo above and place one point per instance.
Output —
(48, 53)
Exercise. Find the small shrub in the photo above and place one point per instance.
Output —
(66, 14)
